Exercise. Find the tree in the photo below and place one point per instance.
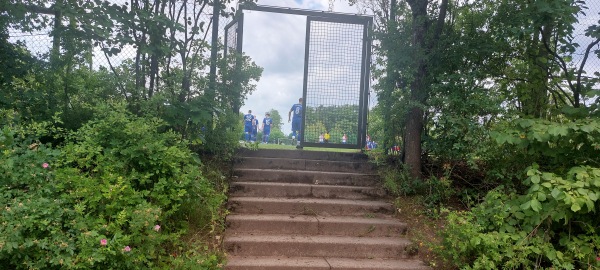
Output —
(277, 123)
(419, 91)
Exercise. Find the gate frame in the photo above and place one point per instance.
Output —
(313, 15)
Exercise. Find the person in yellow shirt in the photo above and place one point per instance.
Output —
(326, 137)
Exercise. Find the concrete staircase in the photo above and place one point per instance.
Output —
(312, 210)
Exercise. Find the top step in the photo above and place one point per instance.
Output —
(303, 154)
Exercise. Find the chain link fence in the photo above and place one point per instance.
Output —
(194, 31)
(589, 17)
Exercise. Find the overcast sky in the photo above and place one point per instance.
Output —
(276, 43)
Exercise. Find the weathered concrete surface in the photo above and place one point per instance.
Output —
(317, 263)
(292, 190)
(303, 164)
(308, 155)
(312, 210)
(306, 177)
(315, 225)
(308, 206)
(317, 246)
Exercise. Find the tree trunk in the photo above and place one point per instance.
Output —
(418, 87)
(414, 123)
(534, 96)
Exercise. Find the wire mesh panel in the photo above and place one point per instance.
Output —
(334, 87)
(232, 52)
(231, 37)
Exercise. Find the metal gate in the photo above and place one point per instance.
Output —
(336, 74)
(234, 36)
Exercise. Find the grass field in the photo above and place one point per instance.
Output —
(290, 147)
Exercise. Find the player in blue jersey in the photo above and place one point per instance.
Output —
(248, 123)
(254, 129)
(267, 122)
(296, 110)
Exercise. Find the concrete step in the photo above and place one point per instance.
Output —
(304, 164)
(291, 190)
(317, 246)
(314, 225)
(318, 263)
(308, 206)
(305, 177)
(303, 154)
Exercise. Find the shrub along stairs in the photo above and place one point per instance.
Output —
(312, 210)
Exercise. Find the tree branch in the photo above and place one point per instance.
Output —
(42, 10)
(585, 57)
(563, 66)
(119, 82)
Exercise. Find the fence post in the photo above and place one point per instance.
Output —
(211, 93)
(57, 31)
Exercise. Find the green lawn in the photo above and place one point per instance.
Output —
(290, 147)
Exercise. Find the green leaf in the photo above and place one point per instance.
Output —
(558, 130)
(525, 123)
(547, 176)
(536, 205)
(587, 128)
(577, 170)
(526, 205)
(555, 193)
(519, 215)
(541, 137)
(541, 196)
(551, 254)
(553, 130)
(547, 185)
(590, 205)
(502, 138)
(535, 179)
(532, 171)
(575, 207)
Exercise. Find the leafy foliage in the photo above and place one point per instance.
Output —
(336, 120)
(95, 158)
(553, 223)
(112, 197)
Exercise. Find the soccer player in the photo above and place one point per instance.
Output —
(267, 122)
(254, 129)
(297, 123)
(248, 123)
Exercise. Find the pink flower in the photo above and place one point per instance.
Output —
(598, 259)
(103, 242)
(157, 227)
(45, 165)
(126, 249)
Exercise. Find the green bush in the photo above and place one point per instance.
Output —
(112, 197)
(552, 222)
(398, 182)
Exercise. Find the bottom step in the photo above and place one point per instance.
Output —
(316, 263)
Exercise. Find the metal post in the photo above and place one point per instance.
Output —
(212, 90)
(57, 32)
